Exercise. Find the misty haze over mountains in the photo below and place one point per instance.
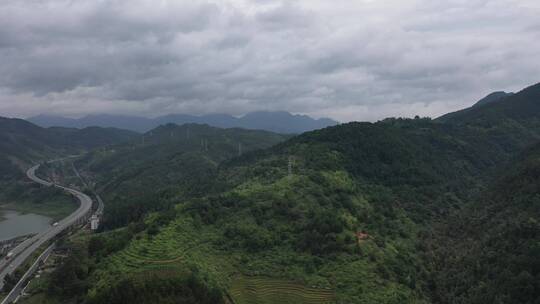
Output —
(278, 121)
(281, 122)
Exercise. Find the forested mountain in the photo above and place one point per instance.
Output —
(22, 142)
(21, 138)
(170, 160)
(491, 247)
(495, 96)
(350, 214)
(520, 109)
(280, 122)
(397, 211)
(93, 137)
(19, 142)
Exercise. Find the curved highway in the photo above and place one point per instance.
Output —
(26, 248)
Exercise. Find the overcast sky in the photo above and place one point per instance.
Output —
(348, 60)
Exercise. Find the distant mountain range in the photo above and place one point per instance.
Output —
(20, 138)
(22, 143)
(280, 122)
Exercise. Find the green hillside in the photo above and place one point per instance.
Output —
(22, 143)
(398, 211)
(166, 163)
(491, 248)
(92, 137)
(390, 180)
(521, 108)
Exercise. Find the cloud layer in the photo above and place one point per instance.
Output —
(349, 60)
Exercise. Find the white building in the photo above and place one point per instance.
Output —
(94, 222)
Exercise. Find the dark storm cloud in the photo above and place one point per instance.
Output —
(351, 60)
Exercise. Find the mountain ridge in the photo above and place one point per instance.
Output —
(522, 105)
(492, 97)
(22, 142)
(279, 122)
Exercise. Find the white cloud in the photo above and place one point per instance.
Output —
(351, 60)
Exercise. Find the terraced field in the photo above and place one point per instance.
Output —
(260, 290)
(163, 251)
(180, 245)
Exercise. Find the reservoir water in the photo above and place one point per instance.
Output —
(14, 224)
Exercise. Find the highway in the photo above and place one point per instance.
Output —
(101, 205)
(28, 247)
(19, 288)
